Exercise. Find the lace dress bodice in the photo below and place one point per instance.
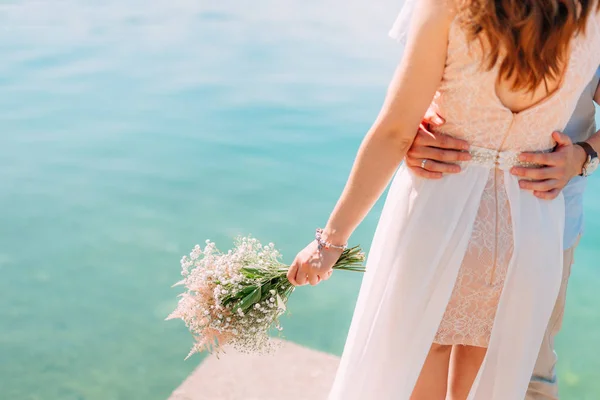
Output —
(467, 100)
(467, 97)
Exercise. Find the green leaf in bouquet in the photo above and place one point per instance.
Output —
(252, 273)
(249, 300)
(246, 291)
(236, 297)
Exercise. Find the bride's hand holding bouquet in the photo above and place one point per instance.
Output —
(237, 297)
(315, 263)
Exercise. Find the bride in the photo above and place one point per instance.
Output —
(463, 272)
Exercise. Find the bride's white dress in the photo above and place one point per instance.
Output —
(472, 258)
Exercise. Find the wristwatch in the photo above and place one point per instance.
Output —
(592, 161)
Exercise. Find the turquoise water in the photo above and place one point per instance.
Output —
(132, 130)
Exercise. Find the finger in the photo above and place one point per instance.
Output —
(433, 118)
(424, 136)
(302, 275)
(423, 173)
(434, 166)
(437, 154)
(550, 159)
(549, 195)
(437, 120)
(432, 169)
(540, 186)
(431, 139)
(313, 279)
(327, 275)
(414, 152)
(291, 274)
(424, 130)
(441, 167)
(561, 139)
(449, 142)
(537, 173)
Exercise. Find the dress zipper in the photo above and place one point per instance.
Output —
(497, 221)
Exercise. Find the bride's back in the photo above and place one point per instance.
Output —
(528, 40)
(500, 83)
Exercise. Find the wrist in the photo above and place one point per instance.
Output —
(580, 159)
(334, 236)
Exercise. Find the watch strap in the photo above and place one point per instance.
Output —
(591, 154)
(589, 150)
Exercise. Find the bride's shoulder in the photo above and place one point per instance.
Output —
(593, 18)
(592, 29)
(436, 11)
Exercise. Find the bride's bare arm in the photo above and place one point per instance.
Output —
(385, 145)
(410, 92)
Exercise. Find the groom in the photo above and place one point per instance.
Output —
(574, 157)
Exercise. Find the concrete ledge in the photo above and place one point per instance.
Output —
(291, 373)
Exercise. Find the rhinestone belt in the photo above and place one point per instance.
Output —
(503, 160)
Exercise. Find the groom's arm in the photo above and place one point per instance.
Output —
(594, 140)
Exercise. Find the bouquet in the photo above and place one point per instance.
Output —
(237, 297)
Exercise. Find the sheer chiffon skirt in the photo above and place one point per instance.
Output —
(425, 282)
(469, 317)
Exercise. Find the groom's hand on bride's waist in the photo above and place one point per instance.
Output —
(558, 167)
(431, 154)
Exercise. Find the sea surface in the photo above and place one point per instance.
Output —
(131, 130)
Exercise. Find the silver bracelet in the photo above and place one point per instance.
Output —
(326, 245)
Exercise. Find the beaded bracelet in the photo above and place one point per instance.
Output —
(326, 245)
